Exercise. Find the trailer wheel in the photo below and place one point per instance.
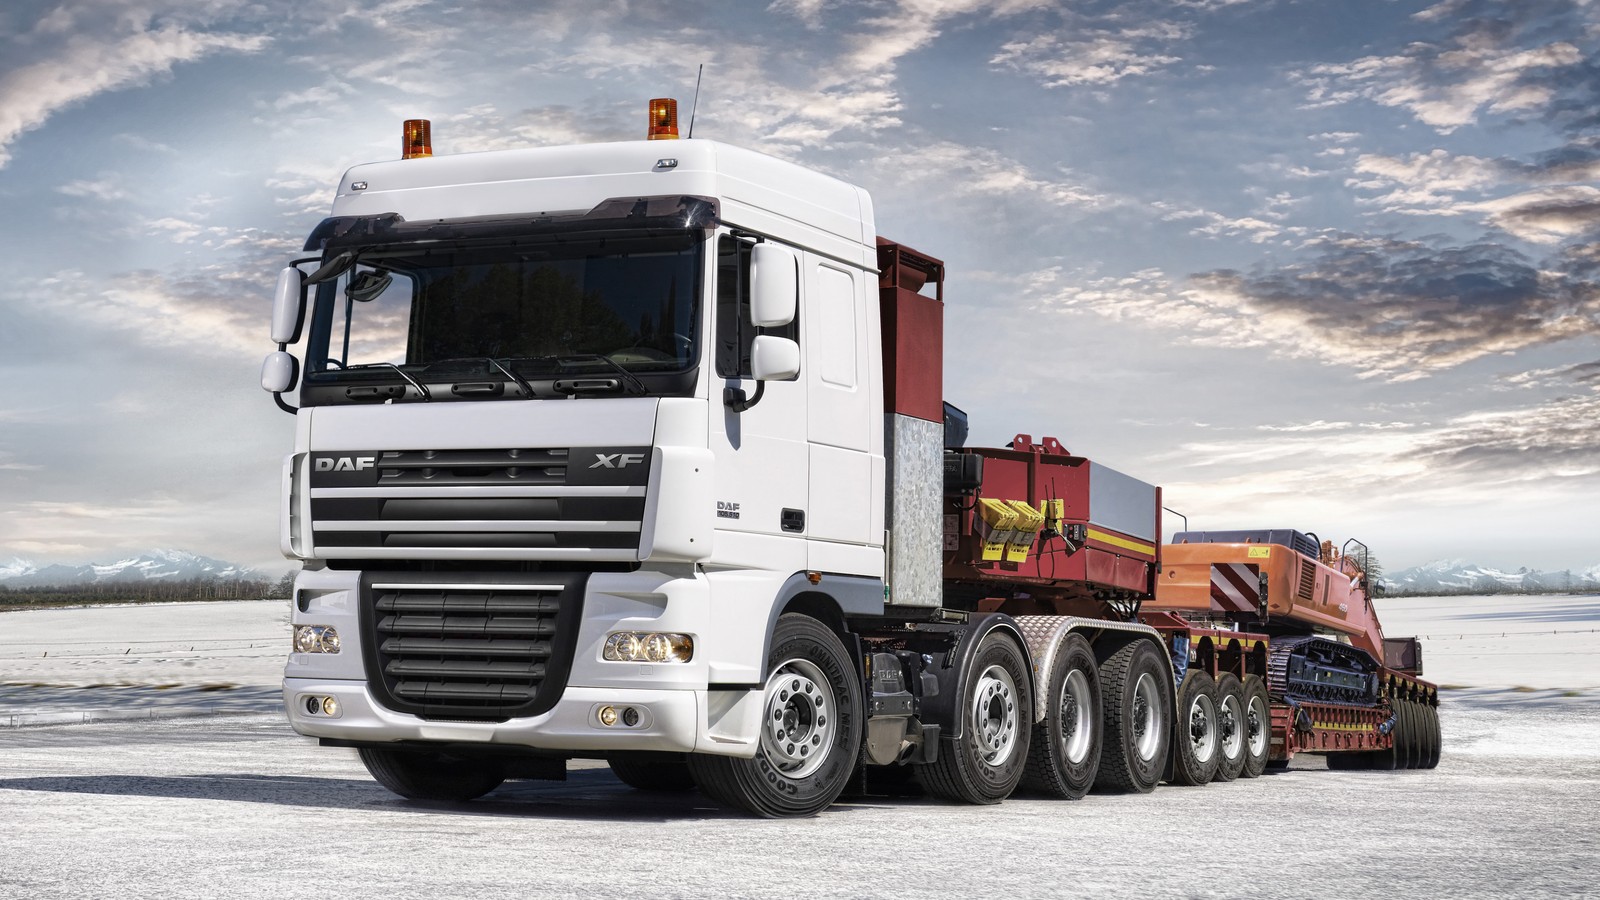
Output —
(1390, 758)
(1231, 731)
(1064, 754)
(986, 762)
(1416, 743)
(1136, 712)
(810, 729)
(432, 776)
(660, 772)
(1436, 735)
(1196, 749)
(1257, 727)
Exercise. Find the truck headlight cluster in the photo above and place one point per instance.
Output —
(316, 639)
(648, 646)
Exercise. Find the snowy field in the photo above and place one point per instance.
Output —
(234, 804)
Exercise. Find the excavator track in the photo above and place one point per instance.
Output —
(1319, 670)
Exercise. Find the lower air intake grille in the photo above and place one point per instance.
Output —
(466, 651)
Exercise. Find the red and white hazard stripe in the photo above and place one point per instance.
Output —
(1235, 587)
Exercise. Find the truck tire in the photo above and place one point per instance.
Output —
(986, 762)
(432, 776)
(1388, 759)
(659, 772)
(1257, 727)
(1064, 753)
(1196, 750)
(1231, 731)
(1414, 740)
(1439, 737)
(810, 730)
(1136, 712)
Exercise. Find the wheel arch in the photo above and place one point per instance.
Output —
(955, 671)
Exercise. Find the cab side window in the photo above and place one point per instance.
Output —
(735, 332)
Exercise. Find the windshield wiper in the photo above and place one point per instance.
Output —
(628, 378)
(422, 389)
(527, 389)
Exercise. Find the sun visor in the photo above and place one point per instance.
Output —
(668, 212)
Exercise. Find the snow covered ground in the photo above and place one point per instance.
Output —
(1547, 642)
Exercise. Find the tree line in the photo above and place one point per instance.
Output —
(147, 591)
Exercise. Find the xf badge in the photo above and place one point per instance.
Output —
(616, 460)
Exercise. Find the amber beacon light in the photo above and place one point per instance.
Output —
(663, 119)
(416, 139)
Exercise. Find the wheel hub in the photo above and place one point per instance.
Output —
(994, 715)
(798, 728)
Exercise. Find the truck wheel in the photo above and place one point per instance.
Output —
(810, 729)
(1439, 735)
(986, 762)
(1136, 709)
(432, 776)
(1230, 727)
(1257, 727)
(1389, 758)
(1195, 747)
(662, 772)
(1414, 739)
(1064, 753)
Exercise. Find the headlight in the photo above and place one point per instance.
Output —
(316, 639)
(648, 646)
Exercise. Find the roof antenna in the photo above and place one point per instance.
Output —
(696, 105)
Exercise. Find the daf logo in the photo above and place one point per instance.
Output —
(346, 463)
(616, 460)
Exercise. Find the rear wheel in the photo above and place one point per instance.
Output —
(1409, 753)
(1230, 727)
(663, 772)
(432, 776)
(986, 762)
(1065, 751)
(1437, 745)
(1195, 747)
(1389, 758)
(1257, 727)
(810, 731)
(1136, 712)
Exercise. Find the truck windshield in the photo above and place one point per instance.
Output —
(567, 305)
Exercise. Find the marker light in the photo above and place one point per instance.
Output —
(663, 119)
(416, 138)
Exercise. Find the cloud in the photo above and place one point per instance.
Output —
(105, 189)
(1083, 56)
(1387, 308)
(1487, 57)
(83, 66)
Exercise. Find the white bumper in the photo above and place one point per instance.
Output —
(676, 709)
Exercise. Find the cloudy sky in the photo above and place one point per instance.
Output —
(1307, 264)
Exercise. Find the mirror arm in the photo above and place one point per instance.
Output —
(277, 397)
(735, 399)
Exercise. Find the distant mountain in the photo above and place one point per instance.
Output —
(162, 565)
(1455, 576)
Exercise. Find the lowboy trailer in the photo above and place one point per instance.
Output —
(639, 452)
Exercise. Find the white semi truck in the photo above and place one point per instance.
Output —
(638, 451)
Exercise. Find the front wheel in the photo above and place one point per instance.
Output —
(432, 776)
(810, 729)
(986, 762)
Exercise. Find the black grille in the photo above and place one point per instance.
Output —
(456, 650)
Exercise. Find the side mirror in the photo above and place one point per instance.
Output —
(774, 358)
(288, 306)
(774, 285)
(279, 372)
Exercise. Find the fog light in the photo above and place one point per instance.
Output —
(312, 706)
(608, 716)
(330, 706)
(630, 716)
(316, 639)
(648, 646)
